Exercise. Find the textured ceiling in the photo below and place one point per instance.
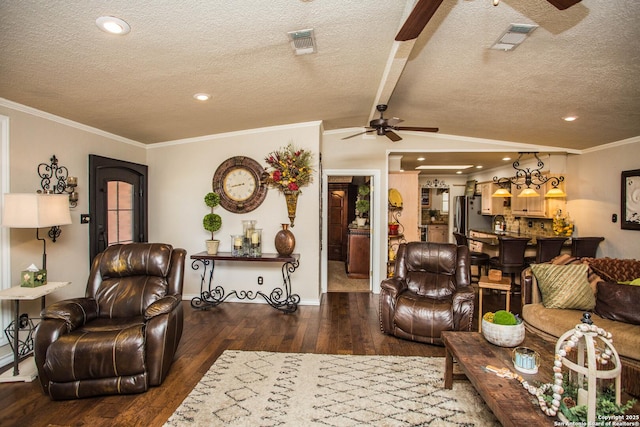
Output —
(584, 60)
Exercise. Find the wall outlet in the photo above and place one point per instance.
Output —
(260, 280)
(542, 225)
(530, 224)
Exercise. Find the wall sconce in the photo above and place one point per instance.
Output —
(55, 179)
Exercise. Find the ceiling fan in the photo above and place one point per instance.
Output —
(386, 127)
(424, 10)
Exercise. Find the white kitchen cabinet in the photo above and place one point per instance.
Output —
(527, 206)
(437, 233)
(490, 205)
(539, 206)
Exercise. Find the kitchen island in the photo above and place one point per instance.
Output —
(487, 241)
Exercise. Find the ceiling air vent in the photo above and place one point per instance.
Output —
(513, 36)
(303, 41)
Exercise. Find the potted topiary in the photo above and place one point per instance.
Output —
(362, 205)
(212, 222)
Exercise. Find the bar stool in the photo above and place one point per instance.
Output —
(510, 259)
(479, 259)
(547, 248)
(585, 246)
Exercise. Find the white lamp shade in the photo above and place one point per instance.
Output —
(32, 210)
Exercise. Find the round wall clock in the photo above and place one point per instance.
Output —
(239, 181)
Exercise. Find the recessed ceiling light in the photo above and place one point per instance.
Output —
(420, 159)
(506, 159)
(479, 167)
(459, 172)
(113, 25)
(202, 96)
(569, 118)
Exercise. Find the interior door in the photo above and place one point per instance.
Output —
(337, 222)
(117, 203)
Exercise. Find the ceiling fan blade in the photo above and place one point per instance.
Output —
(418, 18)
(359, 133)
(392, 135)
(394, 121)
(416, 129)
(563, 4)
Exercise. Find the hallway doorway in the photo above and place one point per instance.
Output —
(347, 249)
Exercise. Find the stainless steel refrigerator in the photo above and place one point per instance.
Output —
(467, 215)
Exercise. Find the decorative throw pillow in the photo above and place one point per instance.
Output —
(615, 270)
(592, 276)
(564, 286)
(618, 302)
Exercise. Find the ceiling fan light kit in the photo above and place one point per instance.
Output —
(386, 127)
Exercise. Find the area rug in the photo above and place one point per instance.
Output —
(246, 388)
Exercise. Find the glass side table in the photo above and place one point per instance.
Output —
(25, 370)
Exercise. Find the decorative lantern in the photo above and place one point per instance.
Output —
(594, 350)
(592, 366)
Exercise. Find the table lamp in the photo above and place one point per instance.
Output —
(35, 210)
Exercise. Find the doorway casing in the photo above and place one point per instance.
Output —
(374, 221)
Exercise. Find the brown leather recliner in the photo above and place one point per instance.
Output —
(430, 292)
(122, 336)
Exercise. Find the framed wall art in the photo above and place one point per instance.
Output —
(630, 200)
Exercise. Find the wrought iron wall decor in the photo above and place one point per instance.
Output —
(527, 177)
(55, 179)
(436, 183)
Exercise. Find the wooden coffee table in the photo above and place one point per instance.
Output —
(508, 400)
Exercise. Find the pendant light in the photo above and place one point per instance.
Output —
(529, 180)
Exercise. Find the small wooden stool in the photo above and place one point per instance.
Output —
(485, 283)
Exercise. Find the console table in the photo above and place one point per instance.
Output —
(212, 295)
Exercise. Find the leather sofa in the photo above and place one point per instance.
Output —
(122, 336)
(429, 292)
(615, 309)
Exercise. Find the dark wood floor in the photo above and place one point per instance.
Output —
(344, 323)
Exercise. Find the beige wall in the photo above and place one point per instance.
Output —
(593, 196)
(180, 174)
(34, 137)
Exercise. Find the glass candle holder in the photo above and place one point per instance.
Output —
(526, 360)
(247, 230)
(236, 245)
(256, 243)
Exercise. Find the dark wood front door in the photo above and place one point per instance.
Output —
(117, 203)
